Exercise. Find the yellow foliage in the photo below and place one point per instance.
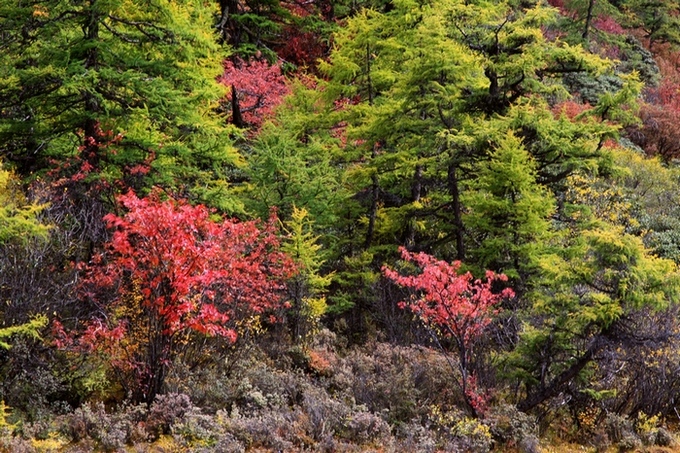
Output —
(40, 11)
(4, 413)
(251, 325)
(459, 426)
(53, 443)
(168, 444)
(607, 202)
(646, 423)
(587, 418)
(18, 218)
(314, 307)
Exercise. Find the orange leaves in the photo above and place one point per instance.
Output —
(570, 109)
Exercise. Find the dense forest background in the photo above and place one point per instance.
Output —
(333, 225)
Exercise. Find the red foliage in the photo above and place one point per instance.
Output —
(569, 108)
(610, 51)
(607, 24)
(259, 88)
(457, 305)
(476, 397)
(302, 48)
(668, 60)
(85, 174)
(169, 269)
(300, 41)
(659, 131)
(667, 94)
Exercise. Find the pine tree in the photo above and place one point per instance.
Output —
(289, 166)
(658, 18)
(419, 121)
(308, 287)
(508, 210)
(121, 86)
(589, 300)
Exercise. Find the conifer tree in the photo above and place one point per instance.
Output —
(18, 223)
(308, 287)
(420, 121)
(508, 210)
(659, 19)
(470, 156)
(119, 85)
(590, 295)
(289, 166)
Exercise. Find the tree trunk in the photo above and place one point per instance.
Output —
(229, 31)
(416, 188)
(236, 116)
(558, 384)
(156, 362)
(454, 193)
(589, 19)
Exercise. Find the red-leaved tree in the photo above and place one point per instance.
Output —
(455, 306)
(171, 274)
(255, 89)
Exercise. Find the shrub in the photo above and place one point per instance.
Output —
(167, 410)
(366, 428)
(460, 433)
(92, 421)
(510, 426)
(620, 430)
(269, 430)
(170, 274)
(414, 437)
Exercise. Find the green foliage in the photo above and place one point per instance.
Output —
(288, 166)
(658, 18)
(419, 122)
(119, 84)
(587, 295)
(635, 57)
(619, 274)
(308, 286)
(509, 210)
(652, 190)
(639, 194)
(479, 130)
(301, 245)
(356, 280)
(620, 105)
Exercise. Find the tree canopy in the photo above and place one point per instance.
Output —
(128, 88)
